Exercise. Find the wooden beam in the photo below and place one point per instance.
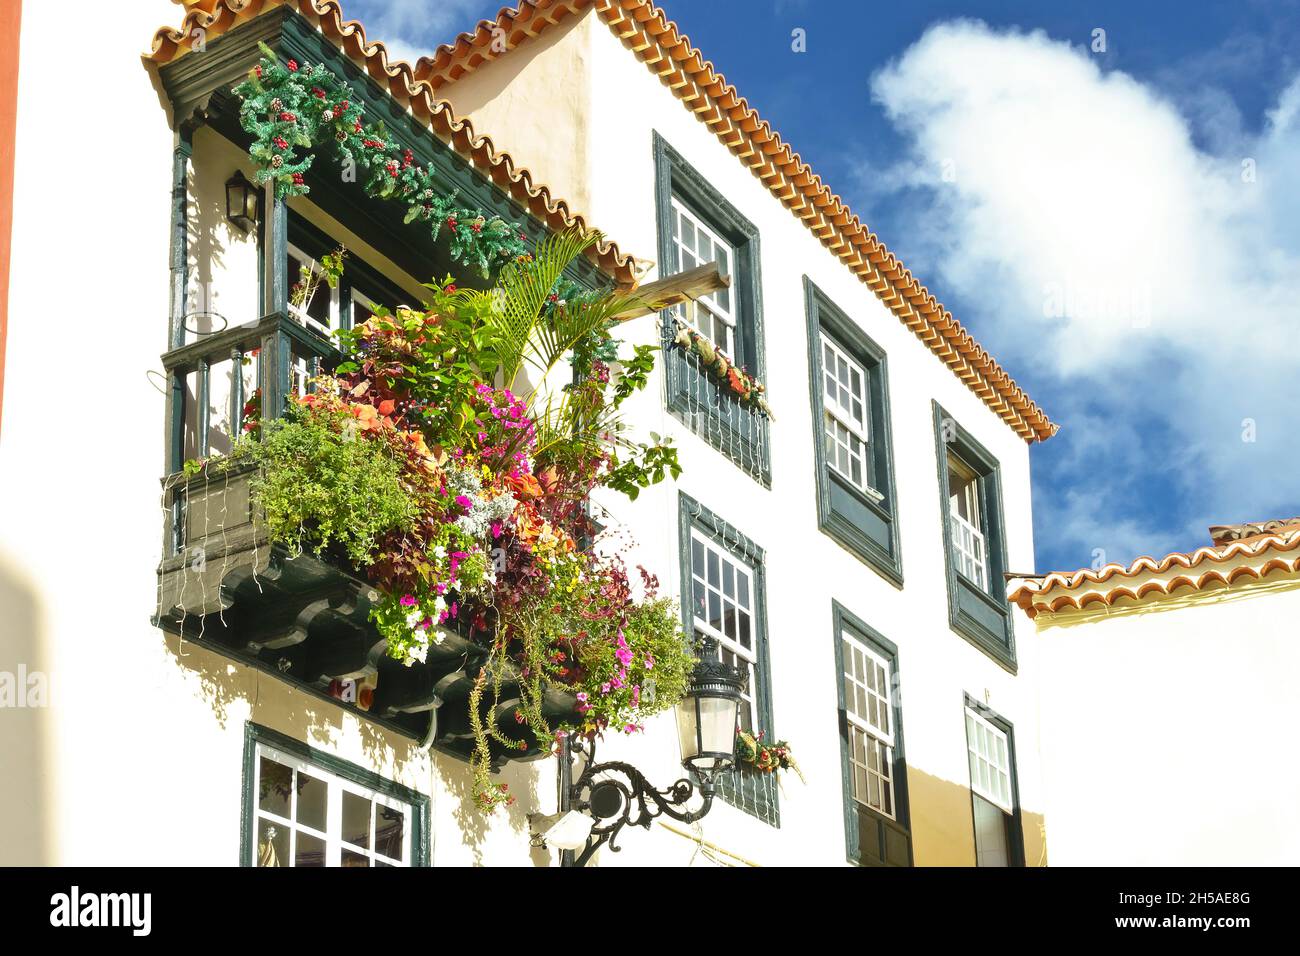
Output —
(675, 289)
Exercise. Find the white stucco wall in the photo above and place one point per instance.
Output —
(1167, 733)
(138, 759)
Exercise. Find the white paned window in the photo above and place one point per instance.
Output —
(990, 761)
(321, 312)
(848, 429)
(868, 701)
(723, 608)
(307, 816)
(695, 244)
(970, 552)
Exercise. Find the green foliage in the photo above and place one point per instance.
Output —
(656, 676)
(322, 486)
(290, 109)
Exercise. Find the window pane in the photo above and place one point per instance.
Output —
(991, 844)
(310, 850)
(272, 844)
(275, 784)
(356, 820)
(312, 796)
(390, 830)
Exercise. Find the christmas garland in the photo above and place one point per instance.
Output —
(743, 385)
(292, 106)
(767, 758)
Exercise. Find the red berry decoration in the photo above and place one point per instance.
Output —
(293, 66)
(281, 142)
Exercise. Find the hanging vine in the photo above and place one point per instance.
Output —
(291, 108)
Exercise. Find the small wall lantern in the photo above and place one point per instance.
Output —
(242, 200)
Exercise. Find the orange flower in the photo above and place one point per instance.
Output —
(525, 486)
(367, 417)
(387, 406)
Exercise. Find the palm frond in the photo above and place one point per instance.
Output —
(525, 287)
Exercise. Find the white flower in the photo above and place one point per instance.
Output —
(414, 618)
(439, 637)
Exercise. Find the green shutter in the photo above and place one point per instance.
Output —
(866, 528)
(694, 397)
(982, 616)
(870, 838)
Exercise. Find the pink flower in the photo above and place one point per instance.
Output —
(464, 502)
(408, 600)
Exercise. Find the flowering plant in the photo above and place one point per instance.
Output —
(736, 378)
(457, 485)
(765, 757)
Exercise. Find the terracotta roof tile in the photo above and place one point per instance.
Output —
(1251, 558)
(646, 30)
(216, 17)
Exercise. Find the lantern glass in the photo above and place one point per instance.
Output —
(706, 729)
(241, 202)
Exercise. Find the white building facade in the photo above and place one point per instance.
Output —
(871, 519)
(1135, 653)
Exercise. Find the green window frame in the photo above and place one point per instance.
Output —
(977, 611)
(1014, 825)
(693, 396)
(255, 734)
(852, 516)
(744, 787)
(871, 838)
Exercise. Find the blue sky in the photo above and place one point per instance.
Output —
(1120, 226)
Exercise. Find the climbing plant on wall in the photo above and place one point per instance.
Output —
(291, 108)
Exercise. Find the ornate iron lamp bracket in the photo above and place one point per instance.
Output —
(616, 794)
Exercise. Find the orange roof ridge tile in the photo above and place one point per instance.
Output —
(216, 17)
(657, 41)
(1033, 593)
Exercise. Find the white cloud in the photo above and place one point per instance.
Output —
(1153, 284)
(412, 28)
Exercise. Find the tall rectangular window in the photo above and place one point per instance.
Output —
(847, 419)
(974, 536)
(723, 599)
(965, 514)
(722, 608)
(994, 806)
(695, 244)
(870, 714)
(697, 226)
(853, 456)
(876, 817)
